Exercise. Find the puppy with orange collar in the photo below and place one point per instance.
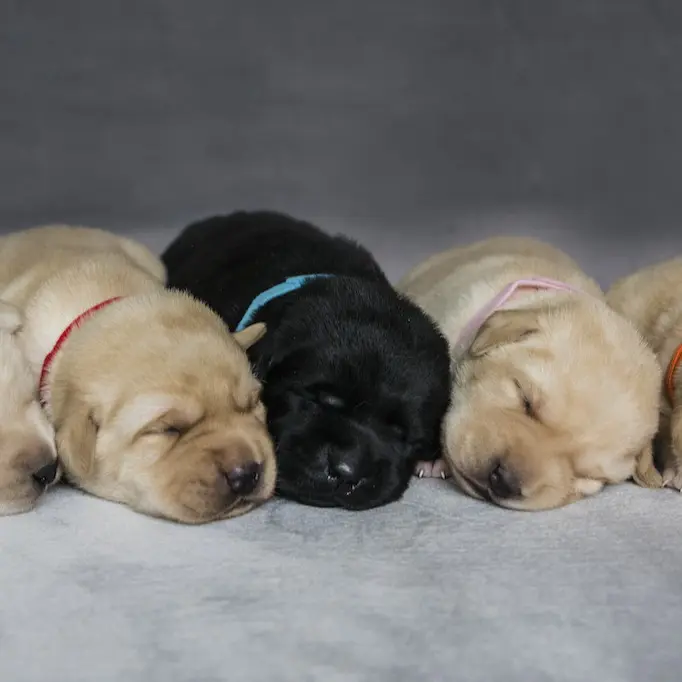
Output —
(152, 400)
(555, 394)
(651, 299)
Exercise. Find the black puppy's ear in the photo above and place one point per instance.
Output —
(250, 335)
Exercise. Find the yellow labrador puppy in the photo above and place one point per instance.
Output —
(28, 458)
(152, 399)
(554, 394)
(652, 299)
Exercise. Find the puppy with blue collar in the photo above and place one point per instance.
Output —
(356, 378)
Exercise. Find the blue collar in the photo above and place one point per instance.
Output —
(288, 285)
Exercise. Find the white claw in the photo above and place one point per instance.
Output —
(442, 475)
(421, 473)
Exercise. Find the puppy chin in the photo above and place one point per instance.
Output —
(516, 505)
(21, 506)
(465, 485)
(309, 489)
(195, 516)
(319, 492)
(238, 508)
(303, 495)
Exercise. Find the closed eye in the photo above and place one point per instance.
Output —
(156, 429)
(331, 400)
(328, 397)
(173, 431)
(170, 426)
(398, 429)
(396, 425)
(526, 402)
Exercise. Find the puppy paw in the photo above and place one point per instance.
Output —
(671, 451)
(672, 478)
(437, 469)
(646, 475)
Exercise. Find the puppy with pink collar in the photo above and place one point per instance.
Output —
(555, 394)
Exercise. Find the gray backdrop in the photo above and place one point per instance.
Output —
(413, 126)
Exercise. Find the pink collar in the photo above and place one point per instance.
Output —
(468, 334)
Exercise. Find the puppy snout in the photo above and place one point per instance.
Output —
(47, 473)
(244, 478)
(503, 483)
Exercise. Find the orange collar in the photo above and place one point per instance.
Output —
(669, 375)
(49, 358)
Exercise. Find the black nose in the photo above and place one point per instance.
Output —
(503, 484)
(244, 479)
(46, 474)
(345, 470)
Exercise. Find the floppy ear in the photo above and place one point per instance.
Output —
(646, 474)
(503, 327)
(10, 318)
(248, 336)
(76, 436)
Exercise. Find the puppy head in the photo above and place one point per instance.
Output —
(171, 424)
(28, 458)
(550, 404)
(355, 390)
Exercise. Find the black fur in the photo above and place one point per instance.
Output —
(356, 378)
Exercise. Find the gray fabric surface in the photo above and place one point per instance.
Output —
(413, 126)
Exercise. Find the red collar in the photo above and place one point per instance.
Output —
(49, 358)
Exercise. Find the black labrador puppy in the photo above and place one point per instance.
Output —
(356, 379)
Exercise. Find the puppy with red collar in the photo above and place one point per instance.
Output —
(152, 400)
(650, 298)
(555, 394)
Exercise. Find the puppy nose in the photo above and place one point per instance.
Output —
(345, 470)
(243, 479)
(46, 474)
(503, 484)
